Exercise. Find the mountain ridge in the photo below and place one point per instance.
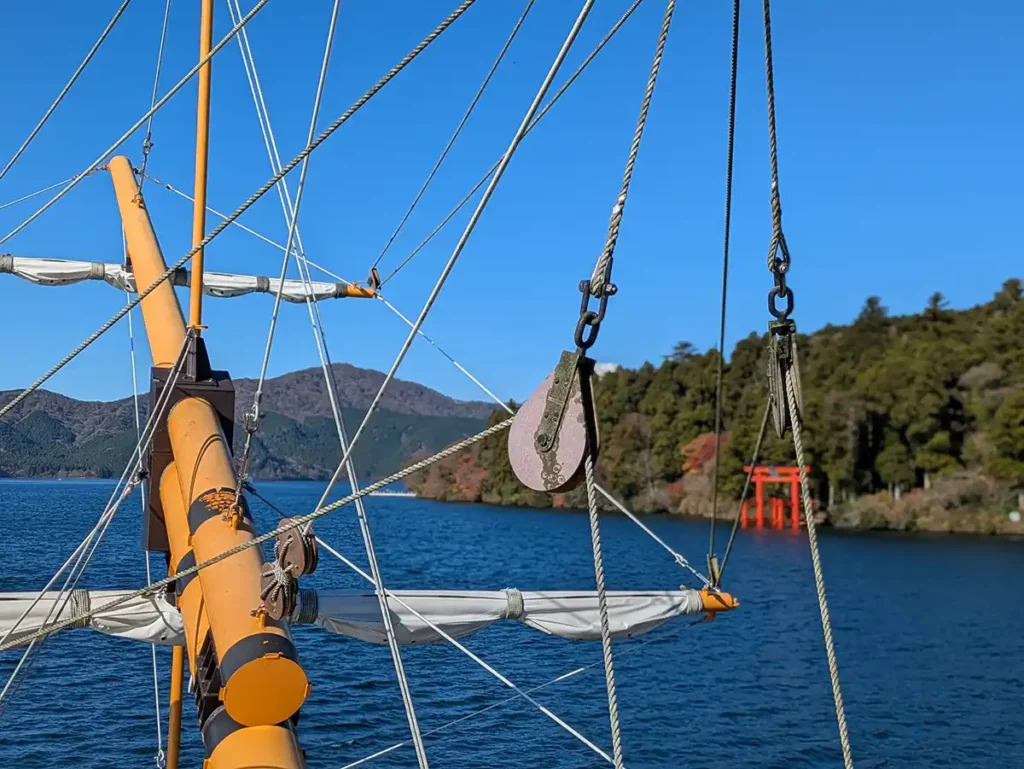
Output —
(54, 435)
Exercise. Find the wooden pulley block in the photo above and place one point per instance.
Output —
(548, 442)
(279, 595)
(297, 552)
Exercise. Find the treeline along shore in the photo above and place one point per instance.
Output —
(910, 423)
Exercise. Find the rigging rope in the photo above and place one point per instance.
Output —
(138, 124)
(160, 758)
(242, 208)
(547, 107)
(712, 563)
(67, 87)
(600, 285)
(147, 142)
(746, 491)
(602, 605)
(291, 214)
(603, 269)
(31, 195)
(458, 130)
(819, 577)
(470, 226)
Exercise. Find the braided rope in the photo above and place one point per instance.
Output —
(819, 578)
(169, 272)
(294, 523)
(602, 606)
(603, 269)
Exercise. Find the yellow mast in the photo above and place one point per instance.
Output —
(195, 315)
(249, 684)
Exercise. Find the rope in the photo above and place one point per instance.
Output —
(602, 275)
(247, 204)
(147, 142)
(602, 605)
(291, 216)
(819, 578)
(558, 95)
(138, 124)
(33, 194)
(145, 511)
(725, 271)
(470, 226)
(458, 130)
(746, 489)
(67, 87)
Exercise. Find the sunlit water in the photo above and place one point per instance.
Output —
(929, 632)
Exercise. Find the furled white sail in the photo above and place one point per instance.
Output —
(151, 619)
(567, 614)
(356, 614)
(63, 272)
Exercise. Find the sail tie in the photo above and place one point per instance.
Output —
(514, 604)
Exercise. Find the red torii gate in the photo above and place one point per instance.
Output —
(771, 474)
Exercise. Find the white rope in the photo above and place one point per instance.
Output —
(470, 226)
(144, 510)
(147, 141)
(139, 123)
(602, 609)
(603, 268)
(290, 214)
(458, 130)
(67, 87)
(31, 195)
(819, 577)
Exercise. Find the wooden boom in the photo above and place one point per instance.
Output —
(250, 684)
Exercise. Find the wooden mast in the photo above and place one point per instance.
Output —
(249, 684)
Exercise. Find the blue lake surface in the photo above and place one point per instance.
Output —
(929, 633)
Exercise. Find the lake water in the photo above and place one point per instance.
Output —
(929, 634)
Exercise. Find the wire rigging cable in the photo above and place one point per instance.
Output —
(147, 141)
(712, 562)
(64, 91)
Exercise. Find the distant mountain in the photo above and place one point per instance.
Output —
(52, 435)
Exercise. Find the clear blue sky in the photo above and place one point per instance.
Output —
(901, 155)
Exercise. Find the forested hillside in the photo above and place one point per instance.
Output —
(910, 422)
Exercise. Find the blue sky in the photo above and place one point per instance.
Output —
(901, 166)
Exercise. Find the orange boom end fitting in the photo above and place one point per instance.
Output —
(714, 602)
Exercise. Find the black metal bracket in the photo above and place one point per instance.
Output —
(216, 389)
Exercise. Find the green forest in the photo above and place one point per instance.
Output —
(911, 422)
